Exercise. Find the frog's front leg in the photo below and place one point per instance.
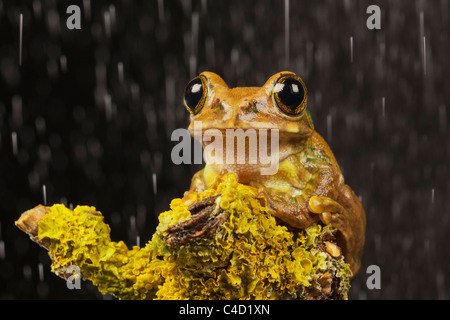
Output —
(290, 203)
(347, 215)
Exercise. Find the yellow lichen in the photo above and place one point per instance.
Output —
(250, 256)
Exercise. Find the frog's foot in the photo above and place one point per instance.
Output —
(206, 215)
(332, 213)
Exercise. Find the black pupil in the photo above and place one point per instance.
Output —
(193, 94)
(291, 94)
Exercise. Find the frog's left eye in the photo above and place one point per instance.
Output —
(195, 94)
(290, 95)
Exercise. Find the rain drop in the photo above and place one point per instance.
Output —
(63, 63)
(14, 143)
(87, 9)
(17, 110)
(161, 10)
(351, 49)
(2, 250)
(27, 272)
(41, 272)
(154, 183)
(20, 39)
(44, 194)
(120, 72)
(329, 126)
(286, 32)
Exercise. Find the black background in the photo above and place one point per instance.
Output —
(58, 104)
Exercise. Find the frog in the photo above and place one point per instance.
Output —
(308, 186)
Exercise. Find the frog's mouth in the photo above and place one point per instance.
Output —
(254, 149)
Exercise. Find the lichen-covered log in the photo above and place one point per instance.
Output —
(226, 247)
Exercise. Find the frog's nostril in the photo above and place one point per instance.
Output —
(250, 107)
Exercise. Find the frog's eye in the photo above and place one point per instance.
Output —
(290, 95)
(195, 94)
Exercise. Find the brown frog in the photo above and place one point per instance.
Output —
(308, 185)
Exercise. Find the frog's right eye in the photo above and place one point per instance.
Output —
(195, 94)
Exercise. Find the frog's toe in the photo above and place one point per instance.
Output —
(316, 204)
(329, 210)
(324, 204)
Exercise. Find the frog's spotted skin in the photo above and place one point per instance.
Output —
(308, 186)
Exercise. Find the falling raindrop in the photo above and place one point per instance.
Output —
(53, 21)
(421, 18)
(107, 20)
(112, 14)
(40, 125)
(27, 272)
(138, 241)
(135, 92)
(161, 10)
(383, 106)
(286, 32)
(194, 43)
(440, 283)
(329, 126)
(63, 63)
(14, 143)
(424, 56)
(63, 201)
(204, 7)
(17, 110)
(235, 61)
(108, 107)
(120, 72)
(37, 9)
(41, 272)
(154, 183)
(2, 250)
(432, 195)
(44, 194)
(20, 39)
(87, 9)
(351, 49)
(133, 223)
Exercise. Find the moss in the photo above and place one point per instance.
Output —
(250, 256)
